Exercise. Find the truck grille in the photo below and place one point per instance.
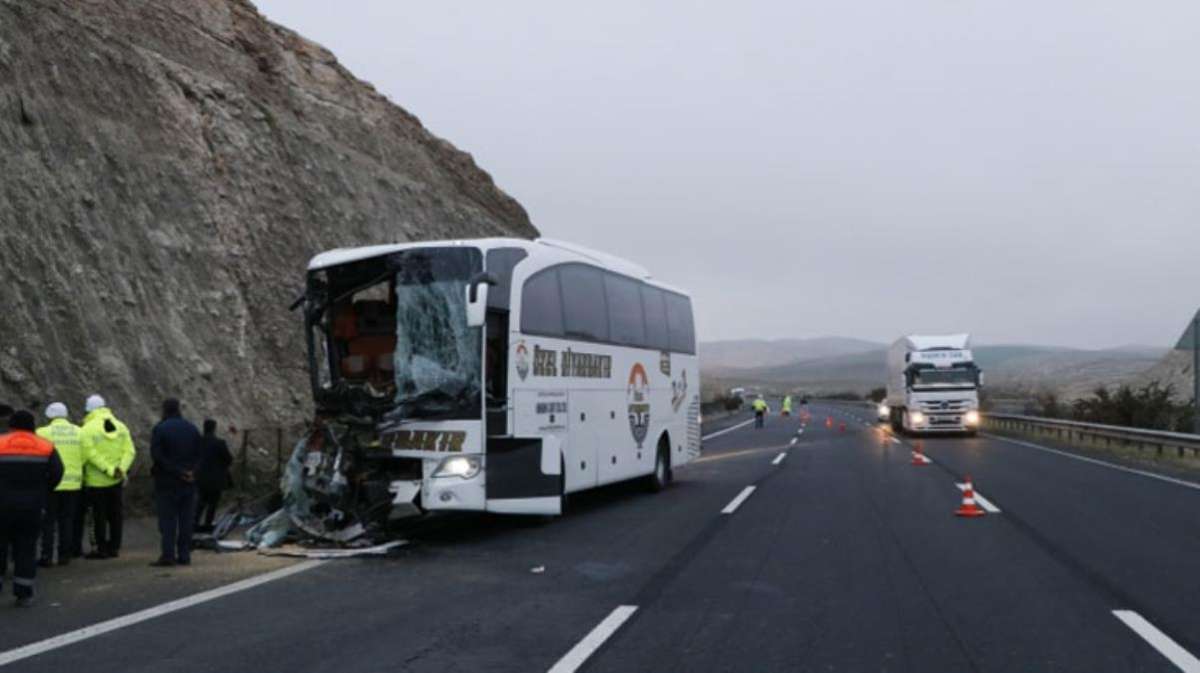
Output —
(945, 406)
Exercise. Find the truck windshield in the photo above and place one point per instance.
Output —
(396, 342)
(958, 377)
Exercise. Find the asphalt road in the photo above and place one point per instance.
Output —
(843, 557)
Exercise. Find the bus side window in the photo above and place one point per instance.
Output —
(541, 305)
(679, 321)
(657, 336)
(626, 320)
(585, 314)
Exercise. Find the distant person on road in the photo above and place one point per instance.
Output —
(787, 405)
(63, 503)
(212, 476)
(29, 469)
(760, 411)
(175, 447)
(108, 454)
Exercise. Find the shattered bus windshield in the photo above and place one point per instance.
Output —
(438, 358)
(397, 337)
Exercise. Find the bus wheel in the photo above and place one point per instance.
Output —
(661, 476)
(564, 497)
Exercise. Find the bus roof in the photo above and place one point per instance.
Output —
(567, 251)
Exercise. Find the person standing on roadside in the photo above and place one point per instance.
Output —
(175, 448)
(108, 454)
(64, 500)
(29, 469)
(212, 476)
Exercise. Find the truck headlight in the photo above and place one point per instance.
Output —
(972, 417)
(459, 466)
(884, 410)
(916, 418)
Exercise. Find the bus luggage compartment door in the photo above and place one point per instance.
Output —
(524, 475)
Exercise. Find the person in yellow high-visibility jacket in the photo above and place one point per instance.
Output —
(760, 410)
(107, 456)
(787, 405)
(63, 505)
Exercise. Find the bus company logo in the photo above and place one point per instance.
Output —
(679, 390)
(521, 357)
(638, 396)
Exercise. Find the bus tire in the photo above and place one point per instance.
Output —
(564, 498)
(661, 477)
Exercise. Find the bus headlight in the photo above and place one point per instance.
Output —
(972, 417)
(459, 466)
(916, 418)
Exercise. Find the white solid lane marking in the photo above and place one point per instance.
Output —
(779, 458)
(982, 501)
(718, 433)
(1122, 468)
(1159, 641)
(72, 637)
(572, 660)
(737, 502)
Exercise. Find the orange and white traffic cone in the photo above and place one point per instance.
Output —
(968, 507)
(842, 426)
(918, 455)
(829, 421)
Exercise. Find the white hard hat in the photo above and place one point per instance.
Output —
(56, 410)
(95, 402)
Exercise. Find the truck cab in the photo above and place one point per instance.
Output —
(933, 385)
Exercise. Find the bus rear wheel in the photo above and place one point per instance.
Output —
(661, 477)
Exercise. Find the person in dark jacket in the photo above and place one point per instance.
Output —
(29, 469)
(213, 475)
(175, 448)
(5, 412)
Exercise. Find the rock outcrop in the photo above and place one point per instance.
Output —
(168, 168)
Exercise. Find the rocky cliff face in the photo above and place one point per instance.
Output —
(1174, 370)
(168, 168)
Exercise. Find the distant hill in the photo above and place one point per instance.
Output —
(750, 353)
(1016, 369)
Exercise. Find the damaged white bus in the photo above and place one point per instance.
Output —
(490, 375)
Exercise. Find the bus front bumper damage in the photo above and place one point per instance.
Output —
(340, 486)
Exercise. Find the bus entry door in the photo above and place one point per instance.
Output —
(524, 475)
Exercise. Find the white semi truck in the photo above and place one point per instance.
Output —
(933, 384)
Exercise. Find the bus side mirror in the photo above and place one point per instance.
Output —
(477, 298)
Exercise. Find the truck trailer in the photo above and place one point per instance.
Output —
(933, 384)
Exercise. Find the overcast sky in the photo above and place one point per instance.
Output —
(1025, 171)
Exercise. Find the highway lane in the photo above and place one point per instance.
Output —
(463, 595)
(843, 557)
(850, 559)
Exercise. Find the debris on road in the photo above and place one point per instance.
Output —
(298, 551)
(537, 570)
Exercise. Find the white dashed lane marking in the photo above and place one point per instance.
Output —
(737, 502)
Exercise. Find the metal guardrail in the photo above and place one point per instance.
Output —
(1112, 435)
